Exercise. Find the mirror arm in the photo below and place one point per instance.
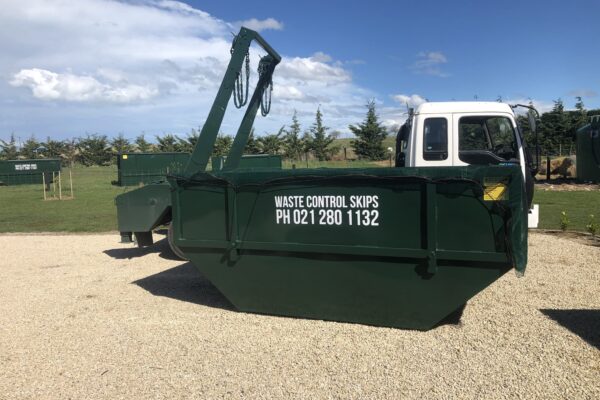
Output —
(535, 131)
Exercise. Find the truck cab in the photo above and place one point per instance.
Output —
(466, 133)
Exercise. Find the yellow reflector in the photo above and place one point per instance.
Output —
(495, 192)
(124, 156)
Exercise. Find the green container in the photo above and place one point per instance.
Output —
(143, 209)
(588, 151)
(254, 161)
(28, 172)
(397, 247)
(142, 168)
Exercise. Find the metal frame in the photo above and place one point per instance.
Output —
(210, 130)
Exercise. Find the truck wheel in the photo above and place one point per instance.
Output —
(174, 248)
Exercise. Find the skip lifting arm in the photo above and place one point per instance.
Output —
(210, 130)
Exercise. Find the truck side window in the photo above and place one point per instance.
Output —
(435, 139)
(472, 135)
(486, 140)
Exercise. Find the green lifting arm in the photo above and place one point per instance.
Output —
(210, 130)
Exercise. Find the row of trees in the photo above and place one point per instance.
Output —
(556, 130)
(292, 142)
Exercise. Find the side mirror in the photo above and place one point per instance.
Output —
(531, 117)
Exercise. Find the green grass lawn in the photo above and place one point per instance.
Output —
(92, 210)
(578, 206)
(22, 208)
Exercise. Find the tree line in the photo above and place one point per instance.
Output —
(556, 130)
(293, 143)
(558, 127)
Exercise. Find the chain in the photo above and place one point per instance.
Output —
(265, 101)
(267, 92)
(240, 93)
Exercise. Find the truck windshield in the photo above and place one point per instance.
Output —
(487, 140)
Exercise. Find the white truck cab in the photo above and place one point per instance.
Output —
(466, 133)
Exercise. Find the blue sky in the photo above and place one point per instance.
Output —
(100, 66)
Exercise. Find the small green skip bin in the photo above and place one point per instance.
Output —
(143, 168)
(28, 172)
(398, 247)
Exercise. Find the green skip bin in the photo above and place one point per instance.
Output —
(398, 247)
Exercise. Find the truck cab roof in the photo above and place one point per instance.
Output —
(445, 107)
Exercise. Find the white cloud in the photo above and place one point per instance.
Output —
(180, 7)
(165, 59)
(313, 69)
(319, 56)
(393, 117)
(282, 92)
(261, 25)
(429, 63)
(47, 85)
(433, 57)
(412, 100)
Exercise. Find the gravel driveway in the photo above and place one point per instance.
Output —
(84, 317)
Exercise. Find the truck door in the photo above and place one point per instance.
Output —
(483, 139)
(490, 139)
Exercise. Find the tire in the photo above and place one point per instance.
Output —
(178, 253)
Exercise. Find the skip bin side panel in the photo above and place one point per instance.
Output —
(369, 290)
(346, 220)
(207, 218)
(588, 153)
(404, 271)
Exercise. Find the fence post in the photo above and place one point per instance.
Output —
(59, 186)
(71, 183)
(547, 168)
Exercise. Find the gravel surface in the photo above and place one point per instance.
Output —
(84, 317)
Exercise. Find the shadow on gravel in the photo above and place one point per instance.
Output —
(161, 247)
(584, 323)
(454, 318)
(185, 283)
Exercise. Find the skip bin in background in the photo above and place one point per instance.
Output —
(143, 209)
(588, 151)
(254, 161)
(142, 168)
(27, 172)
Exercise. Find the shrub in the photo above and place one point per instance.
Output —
(592, 226)
(564, 221)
